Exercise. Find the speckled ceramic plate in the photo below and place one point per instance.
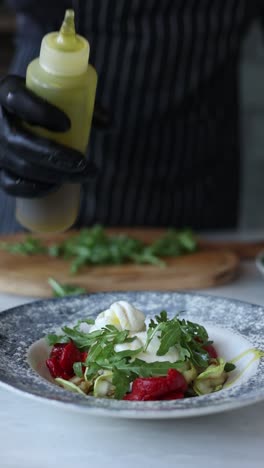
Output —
(237, 329)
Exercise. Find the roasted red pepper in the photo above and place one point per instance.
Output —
(209, 348)
(69, 356)
(157, 388)
(211, 351)
(62, 358)
(56, 370)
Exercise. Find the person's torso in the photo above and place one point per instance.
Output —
(168, 75)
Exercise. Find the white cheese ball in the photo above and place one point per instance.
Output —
(123, 316)
(150, 355)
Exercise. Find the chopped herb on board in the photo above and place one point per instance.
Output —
(94, 246)
(61, 290)
(30, 246)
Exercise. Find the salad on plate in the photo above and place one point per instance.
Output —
(123, 355)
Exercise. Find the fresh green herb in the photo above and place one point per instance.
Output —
(174, 243)
(77, 368)
(229, 367)
(162, 317)
(61, 290)
(102, 356)
(30, 246)
(188, 338)
(94, 247)
(126, 372)
(53, 339)
(170, 335)
(75, 332)
(121, 381)
(89, 321)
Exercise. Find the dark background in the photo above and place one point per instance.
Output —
(7, 29)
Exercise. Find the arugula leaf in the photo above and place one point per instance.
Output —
(192, 329)
(145, 256)
(148, 369)
(151, 332)
(82, 340)
(183, 352)
(104, 347)
(89, 321)
(78, 326)
(162, 317)
(78, 369)
(187, 337)
(174, 243)
(94, 247)
(170, 336)
(30, 246)
(229, 367)
(121, 381)
(61, 290)
(53, 339)
(198, 356)
(125, 372)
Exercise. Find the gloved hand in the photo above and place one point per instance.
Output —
(32, 166)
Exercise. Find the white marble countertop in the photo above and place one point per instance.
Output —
(35, 435)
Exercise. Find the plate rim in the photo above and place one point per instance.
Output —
(135, 413)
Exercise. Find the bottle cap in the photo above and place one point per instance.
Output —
(64, 52)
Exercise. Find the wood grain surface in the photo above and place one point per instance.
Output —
(28, 275)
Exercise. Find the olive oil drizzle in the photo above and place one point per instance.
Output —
(257, 354)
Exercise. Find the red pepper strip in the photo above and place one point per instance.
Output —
(209, 348)
(155, 388)
(70, 354)
(56, 370)
(57, 350)
(84, 355)
(173, 396)
(211, 351)
(62, 358)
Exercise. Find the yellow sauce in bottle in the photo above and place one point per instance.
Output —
(63, 77)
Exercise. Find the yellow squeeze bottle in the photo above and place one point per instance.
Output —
(63, 77)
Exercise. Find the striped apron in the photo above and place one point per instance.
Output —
(168, 74)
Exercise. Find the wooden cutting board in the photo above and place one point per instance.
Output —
(28, 275)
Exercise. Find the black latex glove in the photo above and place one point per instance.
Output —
(32, 166)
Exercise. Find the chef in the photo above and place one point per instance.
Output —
(168, 153)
